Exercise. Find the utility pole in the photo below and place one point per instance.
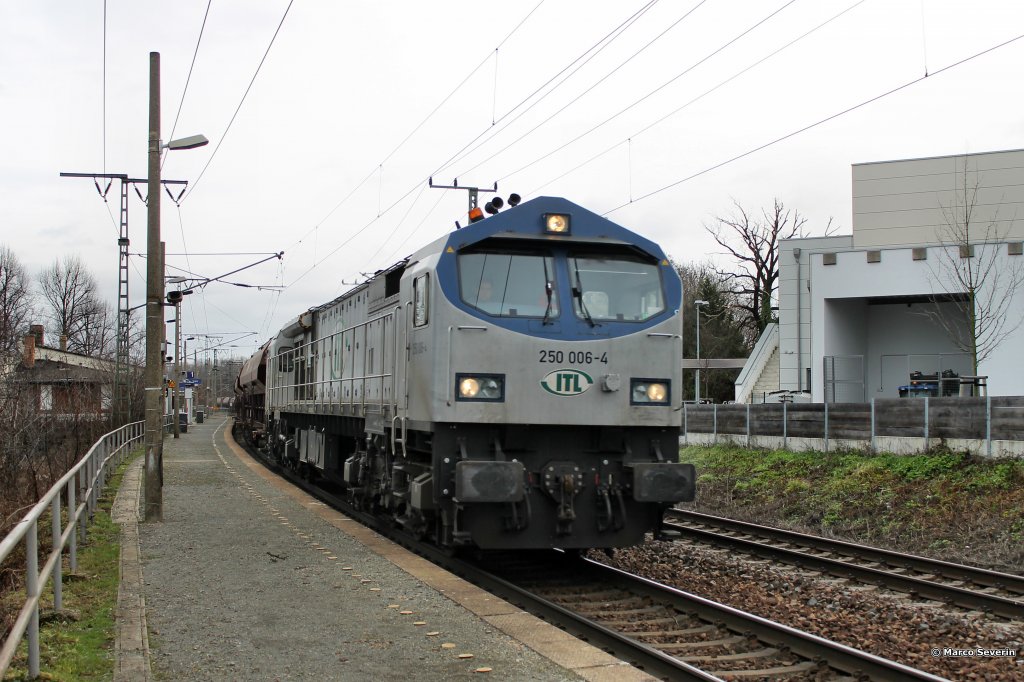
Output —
(154, 504)
(215, 375)
(176, 399)
(696, 376)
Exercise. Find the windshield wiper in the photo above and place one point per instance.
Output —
(547, 311)
(548, 290)
(577, 292)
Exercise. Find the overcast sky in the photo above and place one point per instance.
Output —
(328, 156)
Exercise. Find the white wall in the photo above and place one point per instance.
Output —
(902, 203)
(897, 205)
(795, 307)
(903, 338)
(891, 329)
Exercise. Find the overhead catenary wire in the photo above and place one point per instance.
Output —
(675, 111)
(596, 48)
(608, 37)
(420, 125)
(575, 100)
(810, 126)
(384, 243)
(188, 262)
(224, 135)
(188, 79)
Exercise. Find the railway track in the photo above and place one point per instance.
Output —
(664, 631)
(670, 633)
(1000, 594)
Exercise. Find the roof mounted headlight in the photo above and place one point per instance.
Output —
(556, 223)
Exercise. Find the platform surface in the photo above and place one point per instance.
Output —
(249, 578)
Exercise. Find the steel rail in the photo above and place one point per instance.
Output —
(839, 656)
(648, 658)
(960, 596)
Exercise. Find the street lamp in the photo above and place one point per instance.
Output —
(696, 377)
(153, 505)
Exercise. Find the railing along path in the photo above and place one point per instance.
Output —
(78, 492)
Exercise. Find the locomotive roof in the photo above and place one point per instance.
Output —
(525, 221)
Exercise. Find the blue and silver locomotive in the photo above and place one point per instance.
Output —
(511, 385)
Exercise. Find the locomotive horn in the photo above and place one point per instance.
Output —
(514, 199)
(497, 202)
(490, 208)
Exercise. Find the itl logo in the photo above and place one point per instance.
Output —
(566, 382)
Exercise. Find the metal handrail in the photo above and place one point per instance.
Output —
(278, 393)
(90, 474)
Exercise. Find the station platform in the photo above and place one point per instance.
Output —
(249, 578)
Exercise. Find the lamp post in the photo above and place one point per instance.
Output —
(696, 377)
(153, 505)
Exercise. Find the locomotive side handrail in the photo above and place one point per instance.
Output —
(310, 385)
(84, 481)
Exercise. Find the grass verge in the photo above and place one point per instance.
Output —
(950, 505)
(78, 643)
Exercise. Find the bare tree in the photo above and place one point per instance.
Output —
(754, 244)
(972, 277)
(74, 306)
(723, 333)
(15, 304)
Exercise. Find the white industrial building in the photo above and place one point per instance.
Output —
(858, 313)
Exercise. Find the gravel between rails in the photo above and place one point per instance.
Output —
(884, 624)
(242, 583)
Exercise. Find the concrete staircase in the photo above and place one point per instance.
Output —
(769, 379)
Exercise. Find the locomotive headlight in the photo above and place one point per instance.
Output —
(469, 387)
(649, 392)
(556, 223)
(480, 387)
(657, 393)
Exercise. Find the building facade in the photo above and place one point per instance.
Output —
(58, 381)
(934, 242)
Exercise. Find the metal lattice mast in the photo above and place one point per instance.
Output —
(121, 373)
(121, 411)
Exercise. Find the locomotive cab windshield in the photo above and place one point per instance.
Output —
(620, 287)
(604, 285)
(509, 284)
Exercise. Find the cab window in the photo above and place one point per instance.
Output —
(420, 302)
(509, 284)
(615, 287)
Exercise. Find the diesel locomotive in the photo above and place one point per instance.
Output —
(512, 385)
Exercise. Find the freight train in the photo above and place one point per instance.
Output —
(512, 385)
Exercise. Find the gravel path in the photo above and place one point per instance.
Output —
(243, 583)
